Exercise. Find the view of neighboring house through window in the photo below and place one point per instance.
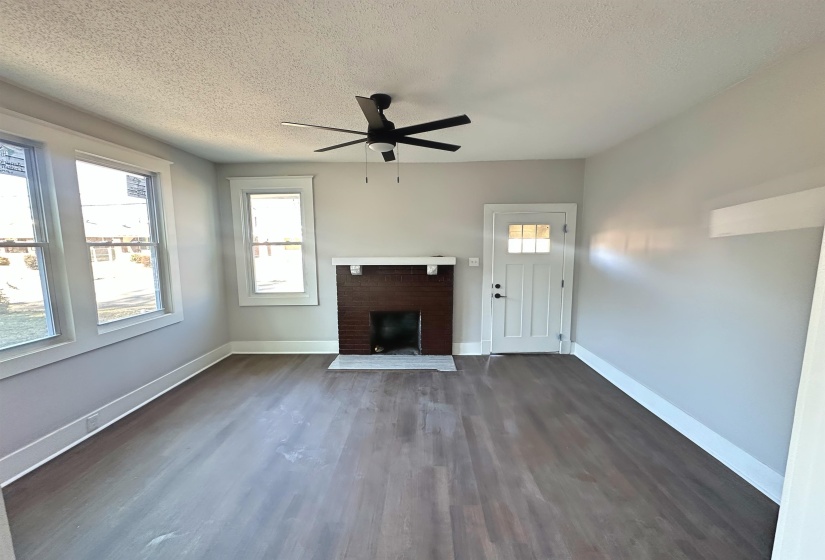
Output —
(275, 227)
(119, 215)
(25, 304)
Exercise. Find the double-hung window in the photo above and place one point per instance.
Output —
(120, 219)
(88, 250)
(27, 310)
(274, 240)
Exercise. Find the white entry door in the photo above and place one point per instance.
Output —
(528, 268)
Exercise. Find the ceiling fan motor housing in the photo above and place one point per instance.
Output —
(382, 100)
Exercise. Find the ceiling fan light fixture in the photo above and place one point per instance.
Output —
(381, 146)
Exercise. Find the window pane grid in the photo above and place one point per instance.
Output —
(26, 310)
(528, 238)
(275, 240)
(121, 224)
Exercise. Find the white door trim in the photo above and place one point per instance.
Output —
(487, 276)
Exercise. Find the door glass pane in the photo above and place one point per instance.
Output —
(16, 223)
(126, 281)
(115, 204)
(529, 238)
(23, 309)
(543, 238)
(275, 218)
(514, 238)
(278, 268)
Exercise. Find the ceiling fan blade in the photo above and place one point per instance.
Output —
(427, 144)
(388, 156)
(335, 147)
(324, 128)
(370, 110)
(434, 125)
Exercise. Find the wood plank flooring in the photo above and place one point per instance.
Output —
(511, 457)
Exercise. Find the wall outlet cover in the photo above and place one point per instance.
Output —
(473, 261)
(92, 423)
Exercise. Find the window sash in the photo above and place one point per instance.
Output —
(40, 241)
(248, 239)
(156, 242)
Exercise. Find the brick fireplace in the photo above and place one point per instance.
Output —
(389, 297)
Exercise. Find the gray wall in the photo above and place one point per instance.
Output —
(436, 210)
(715, 326)
(36, 402)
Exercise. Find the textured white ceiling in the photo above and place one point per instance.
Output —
(540, 79)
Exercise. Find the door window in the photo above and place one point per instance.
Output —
(529, 238)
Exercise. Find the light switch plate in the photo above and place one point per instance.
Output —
(473, 261)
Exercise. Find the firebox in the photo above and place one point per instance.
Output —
(395, 332)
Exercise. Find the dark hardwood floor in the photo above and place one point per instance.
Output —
(533, 457)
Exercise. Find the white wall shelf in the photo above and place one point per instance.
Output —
(378, 261)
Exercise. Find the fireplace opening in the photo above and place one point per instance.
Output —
(395, 332)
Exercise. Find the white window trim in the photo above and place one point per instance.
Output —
(240, 189)
(76, 311)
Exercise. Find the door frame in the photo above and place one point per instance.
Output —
(490, 210)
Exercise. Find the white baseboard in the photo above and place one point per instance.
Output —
(28, 458)
(285, 347)
(761, 476)
(466, 348)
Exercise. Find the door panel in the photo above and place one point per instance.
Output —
(514, 278)
(541, 300)
(528, 264)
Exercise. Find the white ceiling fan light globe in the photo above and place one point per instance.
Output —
(381, 146)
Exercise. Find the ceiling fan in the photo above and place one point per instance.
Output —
(381, 134)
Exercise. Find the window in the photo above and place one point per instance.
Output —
(120, 222)
(76, 278)
(529, 238)
(275, 222)
(26, 310)
(274, 240)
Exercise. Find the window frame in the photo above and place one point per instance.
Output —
(163, 286)
(42, 232)
(240, 189)
(74, 296)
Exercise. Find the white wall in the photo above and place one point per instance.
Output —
(437, 209)
(715, 326)
(34, 403)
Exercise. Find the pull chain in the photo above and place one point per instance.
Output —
(398, 163)
(366, 176)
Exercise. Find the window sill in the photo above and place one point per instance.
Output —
(262, 300)
(38, 355)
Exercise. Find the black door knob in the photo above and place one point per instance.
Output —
(498, 296)
(497, 286)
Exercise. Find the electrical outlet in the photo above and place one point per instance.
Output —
(92, 423)
(473, 261)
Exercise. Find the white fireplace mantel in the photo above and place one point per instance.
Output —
(402, 261)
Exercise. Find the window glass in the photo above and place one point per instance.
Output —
(276, 244)
(528, 238)
(118, 217)
(25, 307)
